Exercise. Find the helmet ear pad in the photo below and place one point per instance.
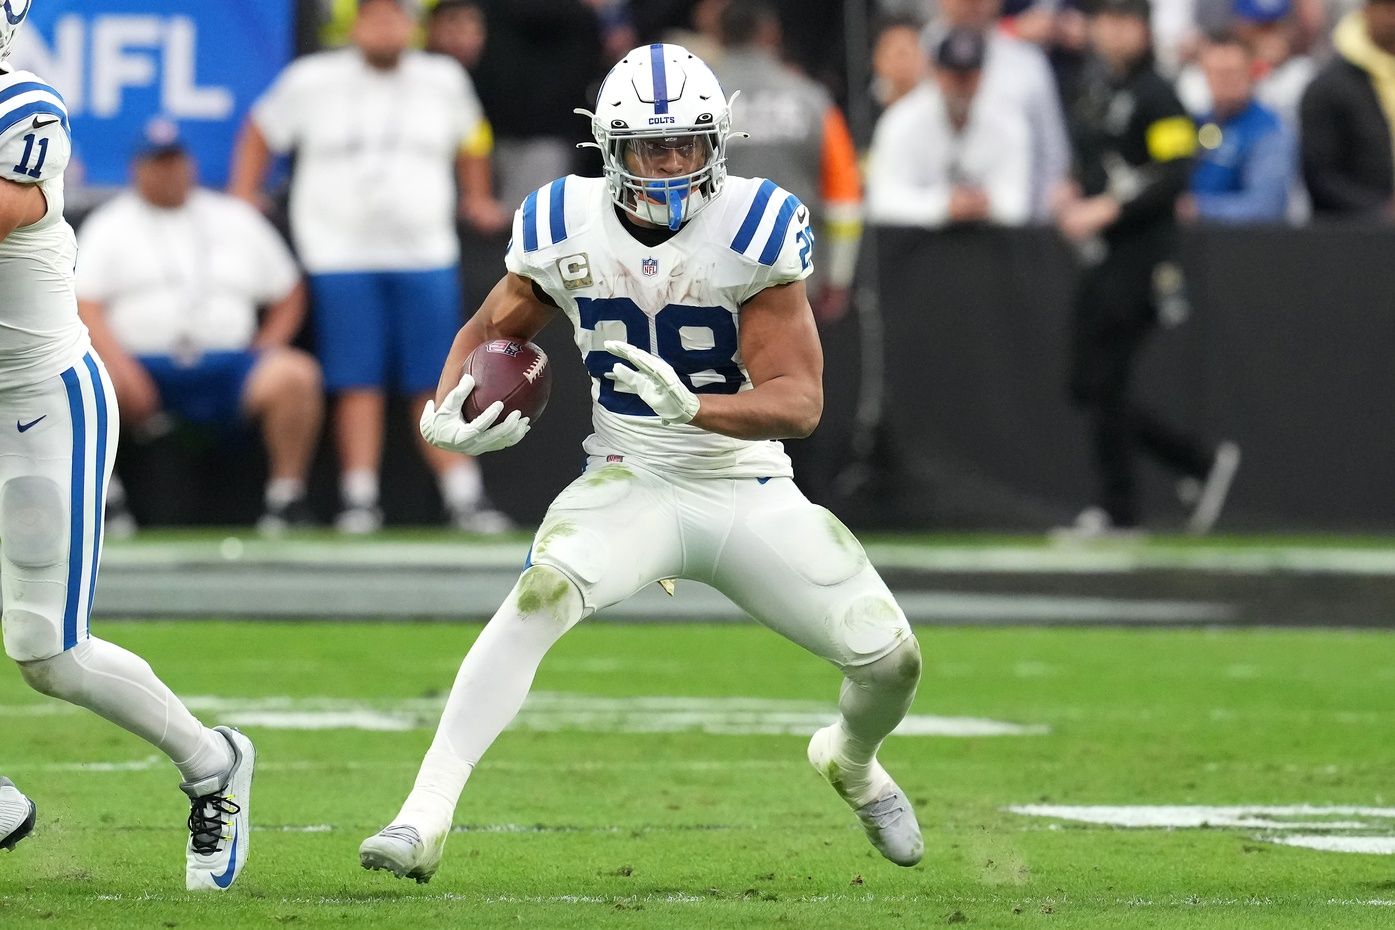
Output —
(662, 92)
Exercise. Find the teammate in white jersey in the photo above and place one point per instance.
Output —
(686, 292)
(55, 462)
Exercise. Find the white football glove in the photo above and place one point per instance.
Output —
(444, 427)
(655, 381)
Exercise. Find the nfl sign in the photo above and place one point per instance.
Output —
(650, 266)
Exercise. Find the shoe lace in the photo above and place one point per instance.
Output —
(207, 817)
(402, 832)
(884, 811)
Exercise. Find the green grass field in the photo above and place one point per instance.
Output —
(576, 820)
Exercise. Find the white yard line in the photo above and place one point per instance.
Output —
(553, 711)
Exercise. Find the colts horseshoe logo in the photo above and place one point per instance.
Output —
(17, 18)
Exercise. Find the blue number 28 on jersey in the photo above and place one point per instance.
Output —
(699, 342)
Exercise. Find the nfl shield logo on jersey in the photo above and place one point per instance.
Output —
(650, 266)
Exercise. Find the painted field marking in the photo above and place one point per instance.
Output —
(553, 711)
(548, 711)
(1326, 828)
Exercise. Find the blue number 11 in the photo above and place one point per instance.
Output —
(38, 169)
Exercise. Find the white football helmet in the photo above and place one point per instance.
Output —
(13, 13)
(662, 125)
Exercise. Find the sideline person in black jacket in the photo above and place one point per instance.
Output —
(1348, 162)
(1133, 146)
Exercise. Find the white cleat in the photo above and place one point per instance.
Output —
(399, 849)
(218, 823)
(17, 814)
(1212, 493)
(888, 819)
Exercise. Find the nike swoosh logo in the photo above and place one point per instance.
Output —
(226, 879)
(26, 427)
(38, 125)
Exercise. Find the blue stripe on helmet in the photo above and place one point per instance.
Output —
(99, 497)
(777, 235)
(747, 231)
(656, 62)
(557, 210)
(17, 18)
(530, 222)
(75, 507)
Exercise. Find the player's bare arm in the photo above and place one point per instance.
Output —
(780, 348)
(511, 311)
(20, 205)
(251, 160)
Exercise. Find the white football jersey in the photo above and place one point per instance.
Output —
(680, 300)
(40, 333)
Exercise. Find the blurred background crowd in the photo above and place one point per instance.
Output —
(287, 263)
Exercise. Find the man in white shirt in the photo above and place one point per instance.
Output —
(383, 135)
(1016, 77)
(169, 281)
(944, 154)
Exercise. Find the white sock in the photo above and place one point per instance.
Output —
(120, 686)
(461, 485)
(281, 491)
(873, 701)
(489, 689)
(359, 488)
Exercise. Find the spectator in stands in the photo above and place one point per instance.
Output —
(1016, 78)
(541, 61)
(378, 131)
(1348, 113)
(1245, 162)
(456, 28)
(898, 62)
(1133, 151)
(169, 280)
(797, 135)
(942, 155)
(1175, 35)
(1282, 72)
(700, 32)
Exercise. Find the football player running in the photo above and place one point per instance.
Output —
(685, 288)
(58, 434)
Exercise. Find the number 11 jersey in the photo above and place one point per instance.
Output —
(680, 300)
(40, 333)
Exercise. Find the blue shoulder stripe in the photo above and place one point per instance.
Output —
(530, 223)
(557, 210)
(20, 114)
(25, 87)
(747, 232)
(782, 226)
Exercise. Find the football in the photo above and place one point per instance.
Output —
(516, 373)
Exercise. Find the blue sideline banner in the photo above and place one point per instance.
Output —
(121, 63)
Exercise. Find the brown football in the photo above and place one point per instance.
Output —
(516, 373)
